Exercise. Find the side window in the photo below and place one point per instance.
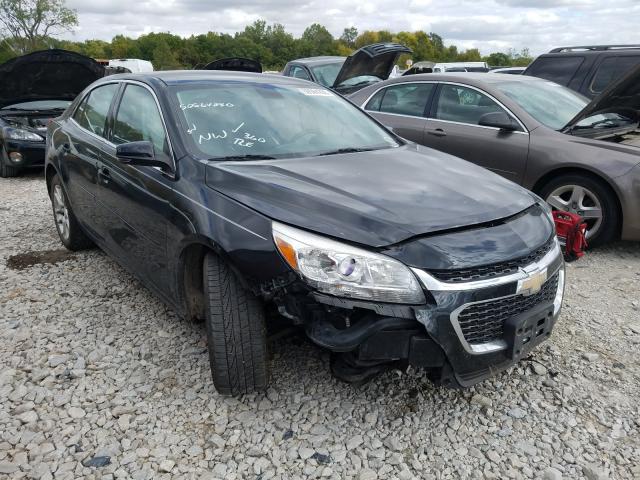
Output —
(299, 72)
(610, 70)
(138, 119)
(407, 99)
(556, 69)
(464, 105)
(92, 112)
(376, 100)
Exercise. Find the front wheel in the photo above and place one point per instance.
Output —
(591, 199)
(236, 333)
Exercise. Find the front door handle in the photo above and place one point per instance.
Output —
(104, 175)
(438, 132)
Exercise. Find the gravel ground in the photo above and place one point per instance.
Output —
(98, 379)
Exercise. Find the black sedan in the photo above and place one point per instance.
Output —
(35, 88)
(227, 192)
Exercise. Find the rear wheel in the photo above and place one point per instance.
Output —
(591, 199)
(7, 170)
(69, 230)
(236, 334)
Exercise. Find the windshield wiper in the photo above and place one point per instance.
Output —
(345, 150)
(244, 157)
(613, 124)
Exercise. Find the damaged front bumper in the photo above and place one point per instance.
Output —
(467, 331)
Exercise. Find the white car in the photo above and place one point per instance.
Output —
(134, 65)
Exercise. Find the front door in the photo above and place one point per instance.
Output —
(134, 202)
(454, 128)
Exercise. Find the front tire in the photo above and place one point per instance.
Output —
(591, 199)
(67, 225)
(236, 333)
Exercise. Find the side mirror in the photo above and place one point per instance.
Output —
(498, 120)
(140, 153)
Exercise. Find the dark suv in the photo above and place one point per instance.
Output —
(587, 70)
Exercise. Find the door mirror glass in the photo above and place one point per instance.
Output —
(498, 120)
(139, 153)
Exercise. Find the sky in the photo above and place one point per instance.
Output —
(489, 25)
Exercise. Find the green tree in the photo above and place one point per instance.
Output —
(498, 59)
(349, 36)
(163, 58)
(316, 40)
(124, 47)
(29, 23)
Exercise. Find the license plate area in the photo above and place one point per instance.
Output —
(525, 331)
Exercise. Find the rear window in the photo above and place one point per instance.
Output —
(612, 69)
(556, 69)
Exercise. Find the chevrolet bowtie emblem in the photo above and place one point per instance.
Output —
(533, 283)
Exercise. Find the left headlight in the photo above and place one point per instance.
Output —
(345, 271)
(19, 134)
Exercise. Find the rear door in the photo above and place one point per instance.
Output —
(403, 108)
(83, 140)
(134, 202)
(453, 128)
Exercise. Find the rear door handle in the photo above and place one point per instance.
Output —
(438, 132)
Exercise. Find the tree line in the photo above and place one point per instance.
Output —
(34, 24)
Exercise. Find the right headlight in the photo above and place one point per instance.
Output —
(339, 269)
(20, 134)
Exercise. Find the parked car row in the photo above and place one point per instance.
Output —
(233, 194)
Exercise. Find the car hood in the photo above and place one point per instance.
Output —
(235, 64)
(376, 198)
(46, 75)
(621, 97)
(376, 59)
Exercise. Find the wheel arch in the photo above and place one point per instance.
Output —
(48, 175)
(190, 273)
(550, 175)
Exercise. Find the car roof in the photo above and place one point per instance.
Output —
(179, 77)
(471, 78)
(318, 60)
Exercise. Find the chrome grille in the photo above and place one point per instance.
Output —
(483, 322)
(495, 270)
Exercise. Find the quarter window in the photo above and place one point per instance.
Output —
(557, 69)
(612, 68)
(299, 72)
(138, 119)
(92, 112)
(404, 99)
(464, 105)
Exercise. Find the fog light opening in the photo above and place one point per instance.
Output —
(15, 157)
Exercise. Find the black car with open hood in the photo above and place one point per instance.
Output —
(263, 200)
(367, 65)
(35, 88)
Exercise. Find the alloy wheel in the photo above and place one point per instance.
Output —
(579, 200)
(61, 212)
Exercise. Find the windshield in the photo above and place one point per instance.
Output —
(274, 121)
(326, 74)
(40, 105)
(549, 103)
